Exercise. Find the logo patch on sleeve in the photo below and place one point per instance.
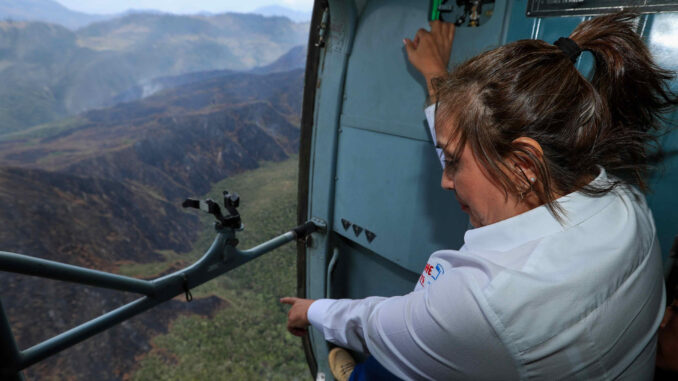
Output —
(431, 273)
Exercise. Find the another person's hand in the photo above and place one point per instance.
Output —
(297, 316)
(667, 348)
(429, 52)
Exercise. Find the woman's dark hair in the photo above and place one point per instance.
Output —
(530, 88)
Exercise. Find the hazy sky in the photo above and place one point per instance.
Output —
(181, 6)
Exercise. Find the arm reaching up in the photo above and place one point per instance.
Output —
(429, 52)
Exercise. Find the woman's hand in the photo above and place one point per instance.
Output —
(297, 316)
(429, 52)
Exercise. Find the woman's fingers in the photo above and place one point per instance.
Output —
(446, 29)
(436, 26)
(443, 39)
(450, 29)
(288, 300)
(297, 316)
(409, 46)
(429, 52)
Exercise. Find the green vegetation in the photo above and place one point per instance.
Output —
(46, 130)
(153, 269)
(246, 340)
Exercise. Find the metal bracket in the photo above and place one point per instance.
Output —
(322, 30)
(320, 224)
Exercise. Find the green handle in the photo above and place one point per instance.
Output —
(435, 13)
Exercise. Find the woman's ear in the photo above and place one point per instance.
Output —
(524, 165)
(531, 143)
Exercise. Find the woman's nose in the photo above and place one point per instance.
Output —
(446, 182)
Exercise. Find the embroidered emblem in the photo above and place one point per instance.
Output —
(431, 273)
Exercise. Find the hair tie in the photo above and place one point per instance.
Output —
(569, 47)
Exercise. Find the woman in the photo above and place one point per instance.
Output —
(561, 277)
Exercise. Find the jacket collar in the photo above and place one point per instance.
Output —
(538, 222)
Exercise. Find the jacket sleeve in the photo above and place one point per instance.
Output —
(440, 332)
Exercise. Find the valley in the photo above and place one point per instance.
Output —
(103, 190)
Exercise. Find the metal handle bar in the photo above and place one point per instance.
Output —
(220, 258)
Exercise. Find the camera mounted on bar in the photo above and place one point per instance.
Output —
(231, 202)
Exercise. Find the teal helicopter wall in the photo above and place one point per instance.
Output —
(371, 164)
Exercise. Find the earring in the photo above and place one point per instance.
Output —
(533, 179)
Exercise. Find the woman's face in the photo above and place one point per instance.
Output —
(478, 196)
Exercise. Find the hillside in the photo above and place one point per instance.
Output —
(175, 142)
(103, 190)
(233, 330)
(49, 72)
(94, 223)
(87, 221)
(248, 340)
(295, 58)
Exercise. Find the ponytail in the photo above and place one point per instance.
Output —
(634, 88)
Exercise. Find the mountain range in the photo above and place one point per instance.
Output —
(48, 11)
(184, 137)
(277, 10)
(53, 12)
(50, 72)
(295, 58)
